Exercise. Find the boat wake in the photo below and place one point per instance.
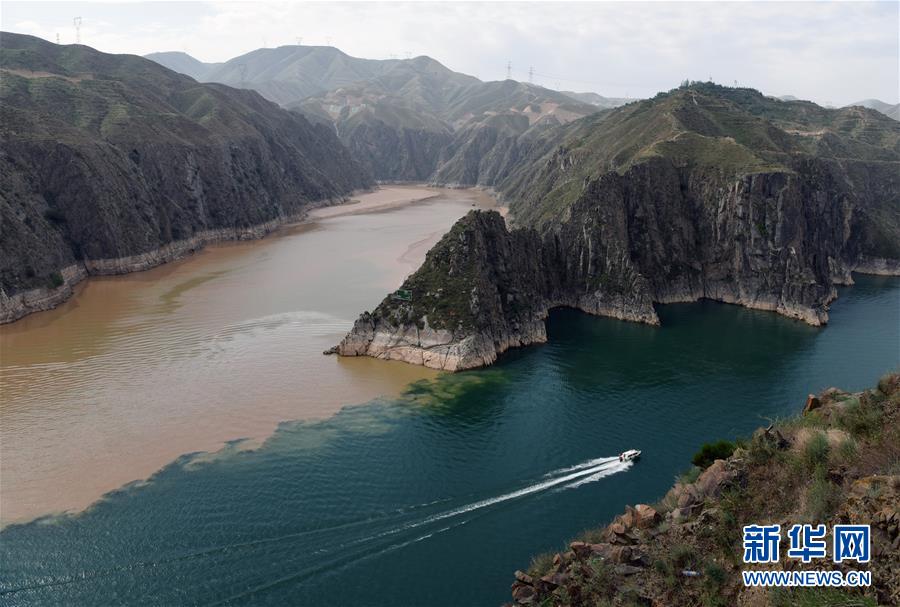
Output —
(332, 554)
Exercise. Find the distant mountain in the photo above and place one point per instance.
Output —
(288, 74)
(113, 163)
(413, 121)
(892, 111)
(402, 119)
(183, 64)
(598, 100)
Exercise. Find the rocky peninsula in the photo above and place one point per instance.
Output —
(701, 193)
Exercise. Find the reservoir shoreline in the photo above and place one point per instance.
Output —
(220, 346)
(19, 305)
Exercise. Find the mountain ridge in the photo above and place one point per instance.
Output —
(701, 192)
(403, 119)
(113, 163)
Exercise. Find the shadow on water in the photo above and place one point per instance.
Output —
(464, 477)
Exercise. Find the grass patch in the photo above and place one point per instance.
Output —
(689, 476)
(815, 452)
(541, 564)
(860, 418)
(822, 497)
(710, 452)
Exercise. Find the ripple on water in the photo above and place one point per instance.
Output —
(464, 477)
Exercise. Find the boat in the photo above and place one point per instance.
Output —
(629, 455)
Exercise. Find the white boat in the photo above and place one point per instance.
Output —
(629, 455)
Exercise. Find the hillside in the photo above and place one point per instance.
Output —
(599, 100)
(734, 131)
(891, 111)
(183, 64)
(834, 464)
(703, 192)
(112, 163)
(403, 120)
(409, 123)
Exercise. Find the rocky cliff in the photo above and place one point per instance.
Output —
(112, 163)
(696, 194)
(834, 464)
(484, 289)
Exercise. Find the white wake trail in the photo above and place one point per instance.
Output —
(585, 472)
(588, 464)
(618, 467)
(608, 465)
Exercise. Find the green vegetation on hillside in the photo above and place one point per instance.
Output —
(735, 131)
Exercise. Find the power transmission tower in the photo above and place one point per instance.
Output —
(57, 37)
(531, 75)
(77, 23)
(509, 70)
(327, 40)
(299, 40)
(408, 55)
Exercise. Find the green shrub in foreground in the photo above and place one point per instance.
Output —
(710, 452)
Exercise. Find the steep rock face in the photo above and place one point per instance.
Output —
(477, 294)
(395, 153)
(483, 290)
(775, 241)
(481, 153)
(703, 192)
(112, 163)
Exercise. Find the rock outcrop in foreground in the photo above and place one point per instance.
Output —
(700, 193)
(836, 464)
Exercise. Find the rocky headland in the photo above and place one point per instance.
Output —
(703, 192)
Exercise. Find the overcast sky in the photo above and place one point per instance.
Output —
(828, 52)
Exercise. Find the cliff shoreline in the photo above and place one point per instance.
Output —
(485, 289)
(19, 305)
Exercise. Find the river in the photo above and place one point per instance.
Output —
(432, 493)
(136, 370)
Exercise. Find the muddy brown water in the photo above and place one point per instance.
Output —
(135, 370)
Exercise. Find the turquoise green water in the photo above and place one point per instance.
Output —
(436, 498)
